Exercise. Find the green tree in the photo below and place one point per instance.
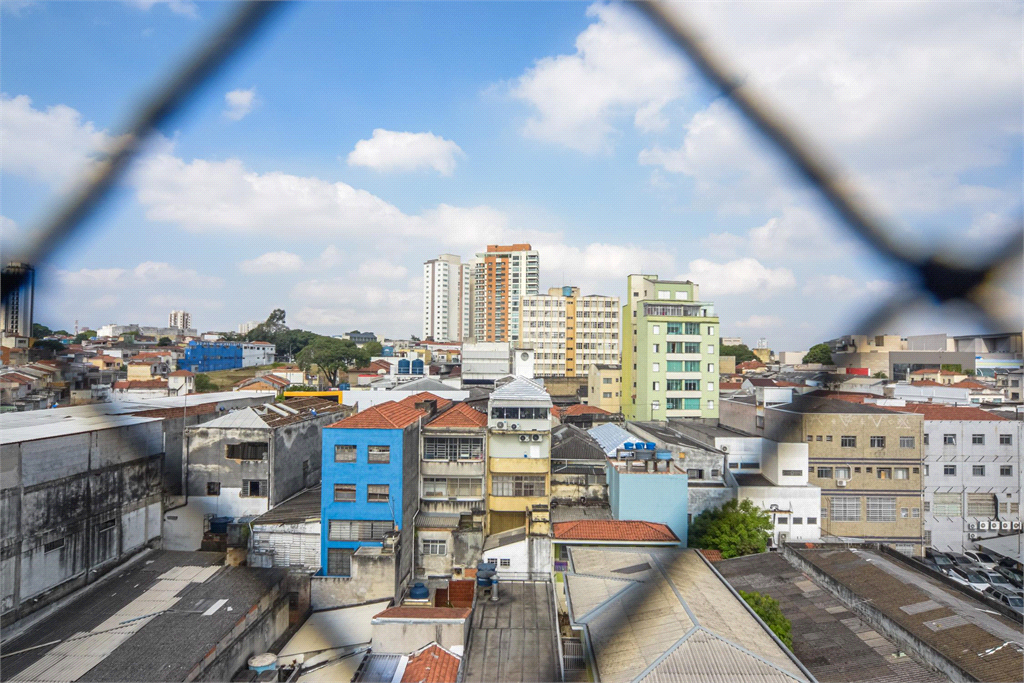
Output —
(952, 367)
(767, 607)
(164, 341)
(83, 335)
(40, 331)
(741, 352)
(413, 337)
(736, 528)
(373, 349)
(880, 375)
(49, 345)
(62, 333)
(819, 353)
(204, 384)
(331, 356)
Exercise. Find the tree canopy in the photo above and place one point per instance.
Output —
(736, 528)
(741, 352)
(204, 384)
(50, 344)
(164, 341)
(83, 335)
(331, 356)
(373, 348)
(767, 607)
(819, 353)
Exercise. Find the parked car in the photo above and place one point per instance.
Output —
(997, 580)
(1008, 598)
(969, 578)
(1014, 576)
(1009, 562)
(961, 560)
(982, 558)
(940, 559)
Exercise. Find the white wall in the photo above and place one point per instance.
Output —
(798, 502)
(183, 527)
(778, 457)
(371, 397)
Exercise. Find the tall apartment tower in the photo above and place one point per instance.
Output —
(16, 310)
(569, 332)
(447, 299)
(502, 277)
(180, 319)
(670, 351)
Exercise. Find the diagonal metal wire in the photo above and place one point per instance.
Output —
(172, 97)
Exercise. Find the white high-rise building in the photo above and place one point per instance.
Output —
(447, 299)
(246, 328)
(16, 309)
(180, 319)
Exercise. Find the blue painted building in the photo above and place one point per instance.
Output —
(210, 356)
(370, 475)
(649, 485)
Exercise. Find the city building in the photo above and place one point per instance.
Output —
(651, 485)
(360, 338)
(578, 473)
(116, 331)
(485, 362)
(670, 353)
(246, 328)
(604, 386)
(447, 299)
(1010, 382)
(518, 453)
(568, 332)
(502, 277)
(972, 473)
(732, 341)
(181, 320)
(17, 306)
(211, 356)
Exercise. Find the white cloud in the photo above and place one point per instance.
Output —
(343, 302)
(598, 267)
(272, 262)
(239, 103)
(742, 276)
(184, 8)
(759, 322)
(391, 150)
(381, 269)
(621, 68)
(830, 286)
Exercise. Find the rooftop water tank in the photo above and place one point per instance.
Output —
(219, 525)
(419, 592)
(650, 445)
(629, 445)
(264, 662)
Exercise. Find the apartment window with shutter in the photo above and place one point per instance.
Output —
(213, 488)
(906, 442)
(378, 493)
(344, 453)
(378, 455)
(339, 561)
(878, 442)
(881, 509)
(344, 493)
(845, 509)
(981, 505)
(254, 488)
(359, 530)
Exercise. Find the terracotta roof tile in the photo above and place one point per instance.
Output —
(182, 373)
(462, 415)
(730, 386)
(932, 411)
(711, 554)
(581, 409)
(932, 371)
(433, 665)
(927, 383)
(390, 415)
(612, 530)
(848, 396)
(970, 384)
(411, 401)
(424, 612)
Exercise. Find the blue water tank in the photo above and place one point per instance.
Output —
(629, 445)
(419, 592)
(403, 366)
(219, 525)
(650, 445)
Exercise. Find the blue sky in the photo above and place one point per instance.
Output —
(350, 142)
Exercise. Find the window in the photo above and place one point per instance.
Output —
(711, 404)
(925, 439)
(810, 438)
(792, 473)
(254, 488)
(798, 520)
(946, 504)
(691, 347)
(655, 405)
(453, 448)
(842, 473)
(434, 547)
(518, 485)
(359, 530)
(818, 437)
(256, 450)
(884, 473)
(828, 438)
(711, 386)
(711, 348)
(691, 328)
(978, 470)
(675, 385)
(452, 487)
(1006, 470)
(711, 330)
(662, 294)
(691, 366)
(606, 380)
(949, 439)
(711, 367)
(674, 403)
(505, 562)
(978, 439)
(691, 404)
(878, 442)
(606, 394)
(1006, 439)
(848, 441)
(949, 470)
(213, 488)
(655, 329)
(344, 453)
(378, 493)
(684, 296)
(106, 525)
(904, 513)
(906, 442)
(655, 386)
(915, 512)
(824, 473)
(695, 473)
(901, 473)
(378, 455)
(812, 520)
(845, 509)
(782, 520)
(53, 545)
(656, 348)
(655, 367)
(881, 509)
(344, 493)
(339, 561)
(673, 366)
(981, 505)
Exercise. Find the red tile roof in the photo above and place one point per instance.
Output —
(730, 386)
(932, 411)
(141, 384)
(411, 401)
(424, 612)
(390, 415)
(969, 384)
(433, 665)
(613, 530)
(848, 396)
(932, 371)
(581, 409)
(182, 373)
(16, 377)
(462, 415)
(711, 554)
(927, 383)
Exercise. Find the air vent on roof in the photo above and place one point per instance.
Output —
(271, 407)
(287, 408)
(524, 437)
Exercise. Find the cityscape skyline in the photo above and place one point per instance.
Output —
(654, 175)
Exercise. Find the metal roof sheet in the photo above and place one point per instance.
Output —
(437, 520)
(610, 436)
(522, 389)
(379, 668)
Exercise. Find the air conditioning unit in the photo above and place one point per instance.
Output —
(514, 425)
(499, 425)
(841, 483)
(724, 449)
(972, 536)
(524, 437)
(537, 437)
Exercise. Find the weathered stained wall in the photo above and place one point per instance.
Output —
(402, 636)
(373, 578)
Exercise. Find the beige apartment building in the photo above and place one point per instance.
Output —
(502, 276)
(569, 332)
(868, 462)
(604, 387)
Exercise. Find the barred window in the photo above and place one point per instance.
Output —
(947, 504)
(981, 505)
(978, 470)
(842, 473)
(344, 453)
(878, 442)
(915, 512)
(344, 493)
(339, 561)
(378, 493)
(359, 530)
(254, 488)
(824, 473)
(812, 520)
(453, 448)
(949, 470)
(1006, 439)
(845, 508)
(848, 441)
(1006, 470)
(906, 442)
(378, 455)
(792, 473)
(53, 545)
(452, 487)
(256, 450)
(881, 509)
(518, 485)
(978, 439)
(434, 547)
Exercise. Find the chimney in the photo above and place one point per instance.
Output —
(429, 406)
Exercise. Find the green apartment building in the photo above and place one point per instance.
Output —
(669, 351)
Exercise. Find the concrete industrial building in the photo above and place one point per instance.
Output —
(181, 320)
(669, 351)
(503, 276)
(211, 356)
(568, 332)
(447, 299)
(17, 307)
